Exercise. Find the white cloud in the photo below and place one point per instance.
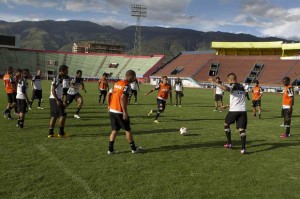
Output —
(110, 21)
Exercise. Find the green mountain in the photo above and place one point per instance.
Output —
(58, 35)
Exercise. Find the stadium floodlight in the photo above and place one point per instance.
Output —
(139, 11)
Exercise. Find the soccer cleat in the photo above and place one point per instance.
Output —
(60, 135)
(51, 135)
(156, 121)
(10, 118)
(228, 146)
(5, 115)
(112, 152)
(243, 151)
(76, 116)
(282, 125)
(179, 105)
(41, 108)
(150, 113)
(29, 108)
(138, 150)
(214, 110)
(284, 135)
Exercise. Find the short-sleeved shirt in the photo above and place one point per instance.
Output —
(66, 82)
(9, 81)
(103, 84)
(219, 91)
(287, 99)
(256, 92)
(163, 91)
(178, 85)
(134, 85)
(37, 82)
(75, 85)
(57, 84)
(22, 88)
(120, 87)
(237, 97)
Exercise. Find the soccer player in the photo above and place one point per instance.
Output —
(66, 86)
(237, 109)
(10, 88)
(103, 88)
(178, 86)
(36, 84)
(257, 93)
(164, 90)
(218, 95)
(57, 105)
(134, 87)
(287, 105)
(22, 97)
(73, 92)
(117, 104)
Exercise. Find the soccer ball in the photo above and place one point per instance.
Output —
(183, 131)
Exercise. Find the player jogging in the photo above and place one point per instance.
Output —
(73, 92)
(218, 95)
(57, 105)
(134, 88)
(257, 93)
(237, 111)
(22, 97)
(178, 86)
(36, 83)
(10, 89)
(164, 89)
(287, 106)
(117, 104)
(103, 88)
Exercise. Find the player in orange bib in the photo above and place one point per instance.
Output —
(287, 106)
(11, 90)
(257, 92)
(164, 90)
(119, 118)
(103, 87)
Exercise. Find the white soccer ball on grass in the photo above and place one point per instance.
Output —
(183, 131)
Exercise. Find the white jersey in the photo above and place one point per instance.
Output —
(66, 82)
(219, 91)
(237, 98)
(37, 82)
(246, 87)
(178, 86)
(57, 83)
(134, 85)
(22, 88)
(75, 85)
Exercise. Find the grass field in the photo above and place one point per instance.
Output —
(172, 166)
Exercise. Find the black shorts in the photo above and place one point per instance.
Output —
(22, 105)
(256, 103)
(65, 91)
(178, 93)
(36, 94)
(287, 114)
(103, 92)
(56, 111)
(11, 98)
(70, 98)
(117, 122)
(161, 105)
(240, 117)
(134, 92)
(218, 97)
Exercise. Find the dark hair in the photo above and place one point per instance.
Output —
(19, 70)
(232, 74)
(164, 77)
(79, 71)
(10, 68)
(218, 78)
(25, 70)
(130, 73)
(63, 67)
(286, 79)
(256, 82)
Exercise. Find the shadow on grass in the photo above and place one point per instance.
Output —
(272, 146)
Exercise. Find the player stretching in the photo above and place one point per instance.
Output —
(103, 88)
(164, 89)
(134, 87)
(36, 84)
(73, 92)
(256, 98)
(57, 105)
(22, 97)
(117, 104)
(287, 105)
(179, 91)
(10, 88)
(218, 95)
(237, 111)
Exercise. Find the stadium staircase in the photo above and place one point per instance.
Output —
(254, 73)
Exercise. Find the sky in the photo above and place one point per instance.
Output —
(262, 18)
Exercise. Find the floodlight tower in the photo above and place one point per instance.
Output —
(139, 11)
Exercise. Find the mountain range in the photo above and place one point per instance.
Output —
(60, 36)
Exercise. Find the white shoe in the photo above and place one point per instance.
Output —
(76, 116)
(282, 125)
(214, 110)
(111, 152)
(138, 150)
(243, 151)
(40, 108)
(179, 105)
(150, 113)
(29, 108)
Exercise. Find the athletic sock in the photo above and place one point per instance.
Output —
(228, 135)
(132, 146)
(111, 146)
(39, 103)
(77, 111)
(61, 130)
(287, 130)
(157, 115)
(51, 131)
(243, 139)
(21, 124)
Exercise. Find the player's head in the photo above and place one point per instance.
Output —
(286, 81)
(26, 73)
(79, 73)
(19, 72)
(38, 72)
(256, 82)
(10, 70)
(130, 76)
(231, 77)
(218, 79)
(63, 70)
(164, 79)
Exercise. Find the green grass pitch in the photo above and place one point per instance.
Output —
(172, 166)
